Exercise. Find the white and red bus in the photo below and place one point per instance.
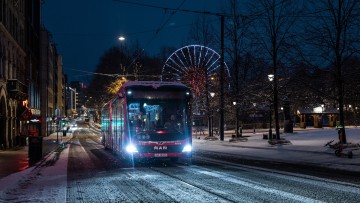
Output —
(149, 119)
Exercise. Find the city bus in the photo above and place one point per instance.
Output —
(149, 120)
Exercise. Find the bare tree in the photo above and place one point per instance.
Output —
(115, 66)
(202, 32)
(334, 35)
(273, 31)
(236, 32)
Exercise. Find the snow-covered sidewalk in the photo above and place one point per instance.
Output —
(306, 147)
(45, 182)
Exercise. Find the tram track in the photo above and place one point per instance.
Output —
(193, 185)
(268, 165)
(272, 171)
(228, 182)
(242, 181)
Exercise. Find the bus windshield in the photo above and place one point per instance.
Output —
(157, 113)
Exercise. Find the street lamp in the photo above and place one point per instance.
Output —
(270, 128)
(282, 119)
(254, 118)
(121, 38)
(272, 78)
(237, 120)
(212, 94)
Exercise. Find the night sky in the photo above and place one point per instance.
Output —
(84, 29)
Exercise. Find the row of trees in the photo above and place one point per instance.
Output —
(311, 48)
(317, 37)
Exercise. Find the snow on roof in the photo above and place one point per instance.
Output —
(308, 110)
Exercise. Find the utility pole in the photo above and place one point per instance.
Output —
(222, 81)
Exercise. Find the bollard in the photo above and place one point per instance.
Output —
(35, 147)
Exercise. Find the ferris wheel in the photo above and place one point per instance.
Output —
(193, 65)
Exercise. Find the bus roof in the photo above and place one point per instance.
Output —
(149, 84)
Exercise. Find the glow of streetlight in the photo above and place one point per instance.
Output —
(212, 94)
(122, 38)
(271, 77)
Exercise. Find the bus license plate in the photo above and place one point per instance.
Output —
(160, 155)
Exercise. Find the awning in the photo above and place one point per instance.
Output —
(29, 114)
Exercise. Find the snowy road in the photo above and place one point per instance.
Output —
(91, 174)
(95, 175)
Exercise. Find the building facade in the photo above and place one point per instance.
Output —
(71, 102)
(19, 67)
(80, 88)
(53, 83)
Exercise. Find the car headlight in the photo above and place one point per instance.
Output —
(187, 148)
(131, 149)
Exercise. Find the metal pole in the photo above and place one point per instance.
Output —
(209, 124)
(208, 102)
(57, 132)
(276, 110)
(270, 129)
(237, 121)
(212, 123)
(222, 82)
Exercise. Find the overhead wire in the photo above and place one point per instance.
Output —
(175, 10)
(115, 75)
(157, 30)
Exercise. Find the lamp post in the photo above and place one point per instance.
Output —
(254, 118)
(237, 120)
(122, 41)
(270, 128)
(271, 78)
(212, 94)
(282, 115)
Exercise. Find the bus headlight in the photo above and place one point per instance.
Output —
(131, 149)
(187, 148)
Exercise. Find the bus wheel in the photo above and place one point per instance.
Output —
(187, 160)
(127, 160)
